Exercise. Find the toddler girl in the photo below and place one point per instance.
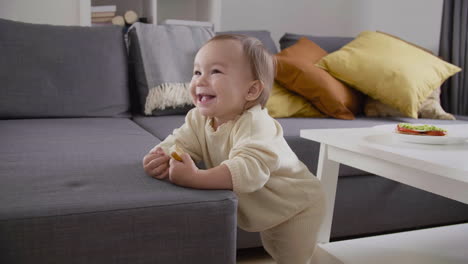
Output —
(244, 149)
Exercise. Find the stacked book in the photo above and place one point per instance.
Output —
(103, 14)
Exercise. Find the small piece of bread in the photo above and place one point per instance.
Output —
(176, 152)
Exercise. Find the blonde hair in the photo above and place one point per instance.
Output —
(261, 61)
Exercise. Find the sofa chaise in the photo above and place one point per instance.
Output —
(72, 188)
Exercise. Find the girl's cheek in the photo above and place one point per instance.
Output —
(215, 80)
(192, 92)
(193, 81)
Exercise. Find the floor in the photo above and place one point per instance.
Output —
(441, 245)
(253, 256)
(259, 256)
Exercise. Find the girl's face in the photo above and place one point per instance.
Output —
(221, 80)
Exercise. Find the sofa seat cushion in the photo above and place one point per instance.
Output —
(76, 189)
(155, 127)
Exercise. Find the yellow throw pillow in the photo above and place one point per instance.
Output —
(389, 70)
(283, 103)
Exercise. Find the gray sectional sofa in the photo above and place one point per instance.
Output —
(72, 187)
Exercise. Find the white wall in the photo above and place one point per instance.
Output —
(202, 10)
(55, 12)
(417, 21)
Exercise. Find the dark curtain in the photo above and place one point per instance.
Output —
(454, 49)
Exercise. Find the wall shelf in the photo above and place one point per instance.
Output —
(156, 11)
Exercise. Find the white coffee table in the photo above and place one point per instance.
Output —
(440, 169)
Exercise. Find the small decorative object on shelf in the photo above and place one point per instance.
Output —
(103, 8)
(118, 20)
(130, 17)
(147, 11)
(102, 15)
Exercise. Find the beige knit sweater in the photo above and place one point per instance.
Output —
(271, 183)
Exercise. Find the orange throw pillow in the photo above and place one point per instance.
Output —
(297, 72)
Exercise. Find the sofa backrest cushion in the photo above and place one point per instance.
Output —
(263, 35)
(62, 71)
(161, 57)
(329, 44)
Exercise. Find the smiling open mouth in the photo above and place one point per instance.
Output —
(204, 98)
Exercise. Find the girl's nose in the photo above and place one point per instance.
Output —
(201, 80)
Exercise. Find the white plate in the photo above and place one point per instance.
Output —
(455, 134)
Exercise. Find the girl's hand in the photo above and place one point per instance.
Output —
(183, 173)
(156, 164)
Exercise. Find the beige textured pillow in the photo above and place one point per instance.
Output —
(430, 109)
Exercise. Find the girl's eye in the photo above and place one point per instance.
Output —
(196, 73)
(215, 71)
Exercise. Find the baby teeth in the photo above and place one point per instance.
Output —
(205, 98)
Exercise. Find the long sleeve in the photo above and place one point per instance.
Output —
(271, 183)
(253, 156)
(186, 137)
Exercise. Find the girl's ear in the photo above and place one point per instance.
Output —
(255, 90)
